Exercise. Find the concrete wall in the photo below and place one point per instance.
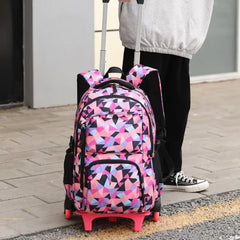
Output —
(219, 52)
(58, 44)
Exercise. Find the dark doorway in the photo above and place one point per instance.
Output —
(11, 51)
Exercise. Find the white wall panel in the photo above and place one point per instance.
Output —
(114, 50)
(113, 44)
(112, 14)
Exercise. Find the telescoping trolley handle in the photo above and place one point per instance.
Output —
(138, 34)
(104, 32)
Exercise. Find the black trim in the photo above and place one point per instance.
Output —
(83, 143)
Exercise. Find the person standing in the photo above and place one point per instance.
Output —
(172, 32)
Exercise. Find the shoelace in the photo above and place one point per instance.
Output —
(180, 176)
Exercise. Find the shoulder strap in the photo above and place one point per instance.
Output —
(86, 80)
(92, 77)
(138, 73)
(148, 79)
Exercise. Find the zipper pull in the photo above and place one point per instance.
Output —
(114, 86)
(83, 134)
(83, 126)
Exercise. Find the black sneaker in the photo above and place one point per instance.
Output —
(180, 182)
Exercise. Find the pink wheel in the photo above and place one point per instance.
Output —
(67, 213)
(156, 216)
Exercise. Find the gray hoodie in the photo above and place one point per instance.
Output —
(177, 27)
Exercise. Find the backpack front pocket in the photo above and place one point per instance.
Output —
(113, 186)
(115, 133)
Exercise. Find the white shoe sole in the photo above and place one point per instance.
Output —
(191, 189)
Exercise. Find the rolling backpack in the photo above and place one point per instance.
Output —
(112, 167)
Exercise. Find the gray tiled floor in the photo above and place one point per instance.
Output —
(33, 142)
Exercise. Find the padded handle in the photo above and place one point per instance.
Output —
(113, 70)
(117, 81)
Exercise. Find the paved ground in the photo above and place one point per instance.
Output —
(33, 142)
(216, 217)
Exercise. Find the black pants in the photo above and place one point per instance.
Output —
(174, 73)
